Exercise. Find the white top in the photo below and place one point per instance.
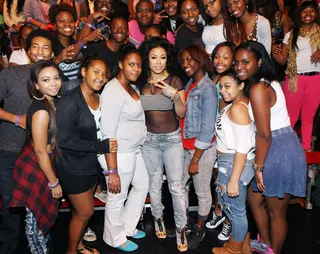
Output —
(264, 33)
(304, 53)
(232, 137)
(13, 18)
(279, 117)
(19, 57)
(212, 36)
(97, 118)
(122, 117)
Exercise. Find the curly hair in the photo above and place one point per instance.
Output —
(147, 46)
(57, 8)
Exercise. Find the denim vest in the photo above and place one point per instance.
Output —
(200, 118)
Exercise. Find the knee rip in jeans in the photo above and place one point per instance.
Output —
(221, 190)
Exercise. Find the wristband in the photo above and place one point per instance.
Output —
(257, 167)
(52, 186)
(111, 171)
(91, 26)
(17, 120)
(82, 45)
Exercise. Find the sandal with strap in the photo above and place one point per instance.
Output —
(92, 250)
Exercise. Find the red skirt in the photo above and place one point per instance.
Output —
(31, 190)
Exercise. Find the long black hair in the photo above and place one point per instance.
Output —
(19, 8)
(35, 93)
(297, 21)
(265, 70)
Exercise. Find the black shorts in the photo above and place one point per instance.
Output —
(76, 184)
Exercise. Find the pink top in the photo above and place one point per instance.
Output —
(136, 37)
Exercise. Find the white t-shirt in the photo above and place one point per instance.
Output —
(264, 33)
(212, 36)
(19, 57)
(304, 53)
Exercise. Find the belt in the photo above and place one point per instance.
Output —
(312, 73)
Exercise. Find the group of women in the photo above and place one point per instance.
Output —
(147, 121)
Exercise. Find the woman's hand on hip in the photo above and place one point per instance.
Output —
(113, 145)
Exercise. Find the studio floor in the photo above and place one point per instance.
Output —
(303, 236)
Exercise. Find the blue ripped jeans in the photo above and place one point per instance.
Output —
(36, 239)
(234, 208)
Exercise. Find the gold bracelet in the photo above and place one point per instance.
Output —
(257, 167)
(194, 158)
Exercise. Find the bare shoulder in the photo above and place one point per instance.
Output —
(239, 114)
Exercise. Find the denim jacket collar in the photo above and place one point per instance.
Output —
(200, 84)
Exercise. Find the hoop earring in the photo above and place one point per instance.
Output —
(59, 94)
(38, 99)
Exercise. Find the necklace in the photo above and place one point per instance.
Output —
(53, 106)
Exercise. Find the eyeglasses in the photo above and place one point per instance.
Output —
(210, 4)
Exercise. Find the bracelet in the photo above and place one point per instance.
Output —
(257, 167)
(111, 171)
(91, 26)
(194, 158)
(82, 45)
(17, 120)
(52, 186)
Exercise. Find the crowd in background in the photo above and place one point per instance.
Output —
(100, 98)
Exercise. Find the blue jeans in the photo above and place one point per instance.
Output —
(166, 150)
(202, 180)
(10, 223)
(234, 208)
(36, 239)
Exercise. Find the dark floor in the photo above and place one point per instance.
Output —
(303, 236)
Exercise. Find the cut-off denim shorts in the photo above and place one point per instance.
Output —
(285, 168)
(234, 207)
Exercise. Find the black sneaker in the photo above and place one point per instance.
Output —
(195, 237)
(225, 233)
(216, 221)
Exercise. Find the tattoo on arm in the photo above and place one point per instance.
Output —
(177, 100)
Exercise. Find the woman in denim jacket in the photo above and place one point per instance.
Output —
(198, 132)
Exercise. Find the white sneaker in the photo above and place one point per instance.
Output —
(90, 235)
(102, 196)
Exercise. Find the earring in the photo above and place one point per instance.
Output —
(38, 99)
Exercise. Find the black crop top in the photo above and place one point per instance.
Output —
(34, 107)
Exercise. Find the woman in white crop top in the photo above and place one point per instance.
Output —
(235, 146)
(280, 164)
